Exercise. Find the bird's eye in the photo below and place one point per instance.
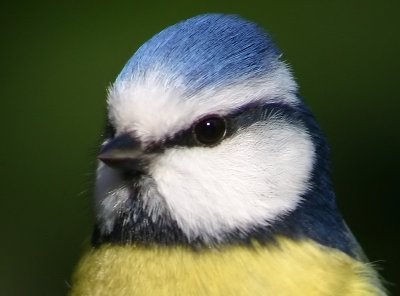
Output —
(210, 130)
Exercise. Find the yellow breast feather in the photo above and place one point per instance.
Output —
(286, 268)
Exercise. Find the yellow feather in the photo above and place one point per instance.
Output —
(288, 268)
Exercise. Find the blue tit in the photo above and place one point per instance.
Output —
(213, 177)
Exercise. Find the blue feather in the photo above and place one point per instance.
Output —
(217, 49)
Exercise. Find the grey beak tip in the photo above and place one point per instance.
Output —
(123, 152)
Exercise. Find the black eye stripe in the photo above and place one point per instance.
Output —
(239, 118)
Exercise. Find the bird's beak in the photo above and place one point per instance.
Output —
(123, 152)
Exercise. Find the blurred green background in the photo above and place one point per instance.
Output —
(58, 58)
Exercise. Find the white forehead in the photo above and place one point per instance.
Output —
(158, 104)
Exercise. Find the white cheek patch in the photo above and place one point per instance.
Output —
(159, 104)
(250, 179)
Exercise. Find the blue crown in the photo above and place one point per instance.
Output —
(205, 51)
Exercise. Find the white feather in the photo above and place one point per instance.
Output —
(248, 180)
(251, 178)
(159, 104)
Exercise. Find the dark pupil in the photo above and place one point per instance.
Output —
(210, 130)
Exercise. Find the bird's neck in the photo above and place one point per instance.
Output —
(316, 218)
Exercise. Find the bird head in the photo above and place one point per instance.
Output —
(208, 141)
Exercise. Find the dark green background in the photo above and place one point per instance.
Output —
(58, 59)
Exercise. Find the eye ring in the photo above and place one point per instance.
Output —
(209, 130)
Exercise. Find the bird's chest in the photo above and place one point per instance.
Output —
(293, 268)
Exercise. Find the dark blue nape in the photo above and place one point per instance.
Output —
(205, 51)
(318, 217)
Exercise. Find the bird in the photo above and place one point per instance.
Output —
(213, 176)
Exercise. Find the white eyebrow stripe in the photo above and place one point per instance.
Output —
(172, 109)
